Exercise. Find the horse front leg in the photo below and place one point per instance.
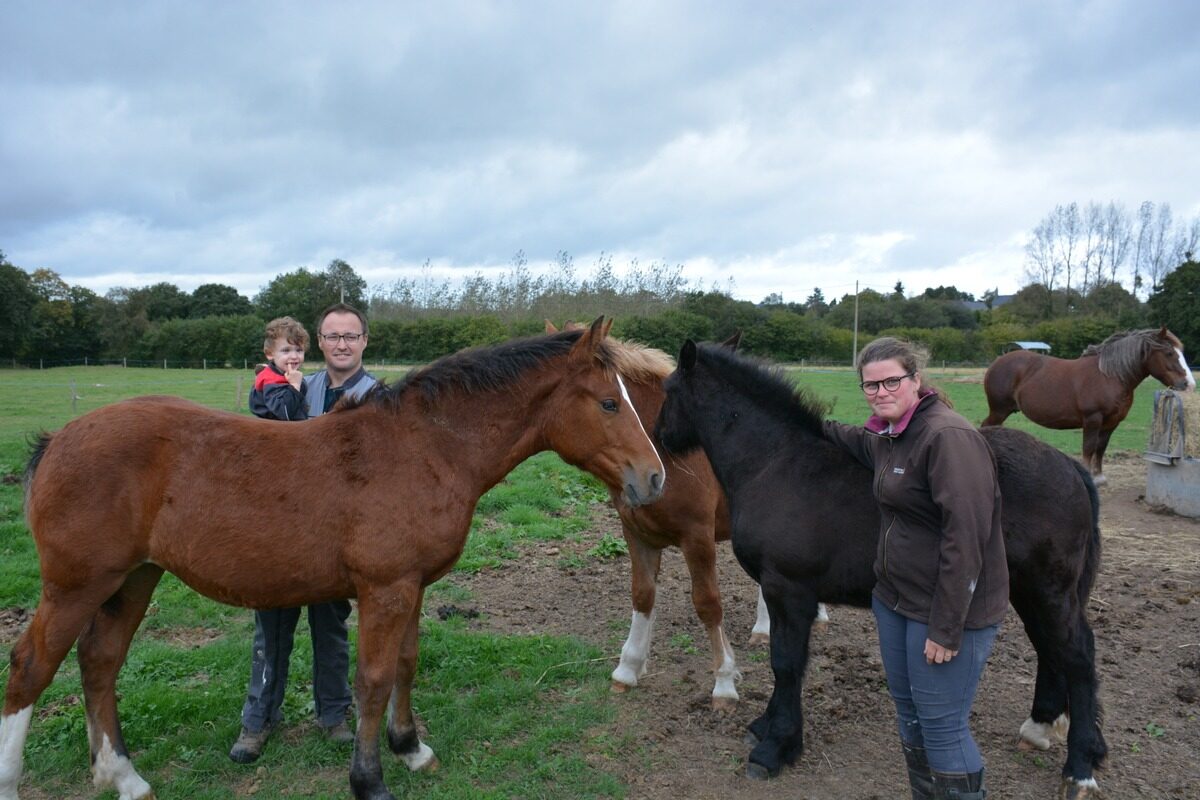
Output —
(1102, 439)
(1091, 444)
(792, 611)
(382, 613)
(644, 563)
(700, 553)
(402, 734)
(102, 648)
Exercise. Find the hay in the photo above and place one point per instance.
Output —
(1191, 423)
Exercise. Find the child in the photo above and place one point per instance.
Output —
(279, 389)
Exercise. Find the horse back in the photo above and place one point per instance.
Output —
(1049, 510)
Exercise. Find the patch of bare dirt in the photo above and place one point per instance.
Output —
(1145, 610)
(12, 621)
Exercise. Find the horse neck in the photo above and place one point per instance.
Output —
(739, 456)
(486, 434)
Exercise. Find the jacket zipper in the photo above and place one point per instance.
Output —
(879, 493)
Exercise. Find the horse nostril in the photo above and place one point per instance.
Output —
(656, 481)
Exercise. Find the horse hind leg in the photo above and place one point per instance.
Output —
(635, 653)
(61, 613)
(102, 648)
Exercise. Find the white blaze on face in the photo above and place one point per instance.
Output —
(1191, 379)
(625, 393)
(13, 729)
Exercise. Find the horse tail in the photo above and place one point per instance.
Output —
(37, 448)
(1091, 566)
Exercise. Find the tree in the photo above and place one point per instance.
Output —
(17, 299)
(159, 302)
(345, 284)
(1176, 304)
(1054, 249)
(815, 303)
(218, 300)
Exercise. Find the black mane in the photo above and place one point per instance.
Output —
(476, 369)
(768, 386)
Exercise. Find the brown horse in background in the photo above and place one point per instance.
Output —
(372, 501)
(1093, 392)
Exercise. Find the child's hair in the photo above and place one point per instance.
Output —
(285, 328)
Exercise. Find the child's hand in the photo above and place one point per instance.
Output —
(295, 377)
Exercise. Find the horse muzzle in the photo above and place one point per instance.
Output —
(643, 489)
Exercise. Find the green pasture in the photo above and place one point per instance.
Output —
(509, 716)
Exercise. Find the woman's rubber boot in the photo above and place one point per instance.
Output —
(920, 780)
(957, 786)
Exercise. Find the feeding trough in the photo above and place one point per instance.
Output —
(1173, 474)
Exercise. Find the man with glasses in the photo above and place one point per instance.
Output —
(342, 337)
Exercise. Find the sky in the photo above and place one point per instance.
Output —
(765, 147)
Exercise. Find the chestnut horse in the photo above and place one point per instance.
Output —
(1093, 392)
(692, 515)
(805, 526)
(242, 511)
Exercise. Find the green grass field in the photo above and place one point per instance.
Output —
(508, 716)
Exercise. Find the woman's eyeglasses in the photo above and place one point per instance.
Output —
(891, 384)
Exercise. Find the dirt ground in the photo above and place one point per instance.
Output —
(1145, 610)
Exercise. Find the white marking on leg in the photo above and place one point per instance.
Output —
(1191, 379)
(112, 771)
(822, 613)
(762, 623)
(727, 672)
(13, 730)
(636, 650)
(1043, 734)
(419, 759)
(625, 394)
(1086, 783)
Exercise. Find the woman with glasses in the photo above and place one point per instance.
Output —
(941, 575)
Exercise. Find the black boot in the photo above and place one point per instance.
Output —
(957, 786)
(919, 778)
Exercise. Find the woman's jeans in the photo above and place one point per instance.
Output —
(933, 701)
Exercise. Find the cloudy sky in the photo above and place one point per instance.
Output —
(781, 145)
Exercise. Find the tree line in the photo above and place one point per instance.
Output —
(1078, 264)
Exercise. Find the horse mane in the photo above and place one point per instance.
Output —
(640, 363)
(1123, 354)
(478, 369)
(769, 387)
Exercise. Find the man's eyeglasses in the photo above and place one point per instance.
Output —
(891, 384)
(350, 338)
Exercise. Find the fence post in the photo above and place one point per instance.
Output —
(40, 364)
(164, 363)
(205, 363)
(85, 361)
(238, 405)
(74, 397)
(125, 362)
(245, 364)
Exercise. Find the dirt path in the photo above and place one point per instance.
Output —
(1145, 610)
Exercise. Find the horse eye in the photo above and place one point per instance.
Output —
(609, 405)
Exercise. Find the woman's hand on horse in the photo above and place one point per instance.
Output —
(936, 654)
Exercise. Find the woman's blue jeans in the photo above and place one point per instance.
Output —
(933, 701)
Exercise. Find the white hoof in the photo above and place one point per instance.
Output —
(422, 759)
(1041, 735)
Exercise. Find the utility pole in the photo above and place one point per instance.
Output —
(854, 352)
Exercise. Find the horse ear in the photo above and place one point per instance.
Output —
(550, 327)
(687, 355)
(607, 327)
(733, 341)
(590, 341)
(1162, 334)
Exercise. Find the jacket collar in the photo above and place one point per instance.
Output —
(882, 427)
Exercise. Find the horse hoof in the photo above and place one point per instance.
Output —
(757, 772)
(760, 639)
(1099, 480)
(432, 766)
(750, 740)
(1071, 789)
(724, 705)
(820, 627)
(619, 688)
